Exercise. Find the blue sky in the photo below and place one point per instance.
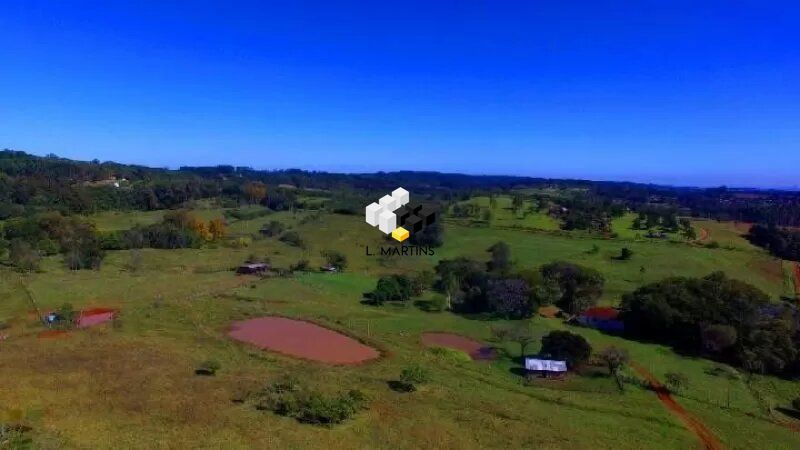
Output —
(690, 93)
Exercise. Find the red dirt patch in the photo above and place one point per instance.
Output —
(302, 340)
(797, 279)
(705, 435)
(53, 334)
(94, 316)
(476, 350)
(704, 234)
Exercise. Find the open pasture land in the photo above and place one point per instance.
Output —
(131, 383)
(503, 214)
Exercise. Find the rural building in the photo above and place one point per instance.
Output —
(545, 367)
(602, 318)
(252, 268)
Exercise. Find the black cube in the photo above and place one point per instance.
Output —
(402, 213)
(427, 214)
(413, 224)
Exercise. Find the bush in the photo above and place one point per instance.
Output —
(676, 381)
(208, 368)
(437, 303)
(299, 266)
(287, 398)
(570, 347)
(335, 259)
(23, 256)
(272, 228)
(240, 242)
(450, 355)
(292, 238)
(625, 254)
(392, 288)
(410, 377)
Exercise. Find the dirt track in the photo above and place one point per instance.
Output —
(705, 435)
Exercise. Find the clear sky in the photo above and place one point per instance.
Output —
(691, 93)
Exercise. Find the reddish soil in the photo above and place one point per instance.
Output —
(476, 350)
(302, 340)
(797, 279)
(53, 334)
(704, 234)
(705, 435)
(94, 316)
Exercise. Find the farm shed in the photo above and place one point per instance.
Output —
(602, 318)
(252, 268)
(546, 367)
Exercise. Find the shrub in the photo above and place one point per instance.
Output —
(286, 398)
(570, 347)
(625, 254)
(208, 368)
(335, 259)
(437, 303)
(410, 377)
(449, 354)
(392, 288)
(676, 381)
(299, 266)
(23, 256)
(240, 242)
(272, 228)
(614, 358)
(292, 238)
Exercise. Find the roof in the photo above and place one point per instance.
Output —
(546, 365)
(601, 313)
(254, 266)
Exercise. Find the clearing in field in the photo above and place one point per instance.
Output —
(476, 350)
(302, 339)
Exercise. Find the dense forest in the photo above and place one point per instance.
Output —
(30, 184)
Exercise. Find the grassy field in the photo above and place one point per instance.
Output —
(503, 214)
(132, 385)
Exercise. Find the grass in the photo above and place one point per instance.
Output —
(133, 386)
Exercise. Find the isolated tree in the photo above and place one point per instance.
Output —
(217, 228)
(254, 191)
(516, 202)
(24, 257)
(335, 259)
(570, 347)
(501, 258)
(625, 254)
(523, 336)
(676, 381)
(422, 281)
(510, 298)
(580, 286)
(614, 358)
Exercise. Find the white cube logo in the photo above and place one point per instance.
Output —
(387, 221)
(400, 197)
(373, 210)
(389, 203)
(381, 214)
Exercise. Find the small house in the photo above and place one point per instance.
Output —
(602, 318)
(252, 269)
(545, 367)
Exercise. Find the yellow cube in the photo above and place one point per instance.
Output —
(400, 234)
